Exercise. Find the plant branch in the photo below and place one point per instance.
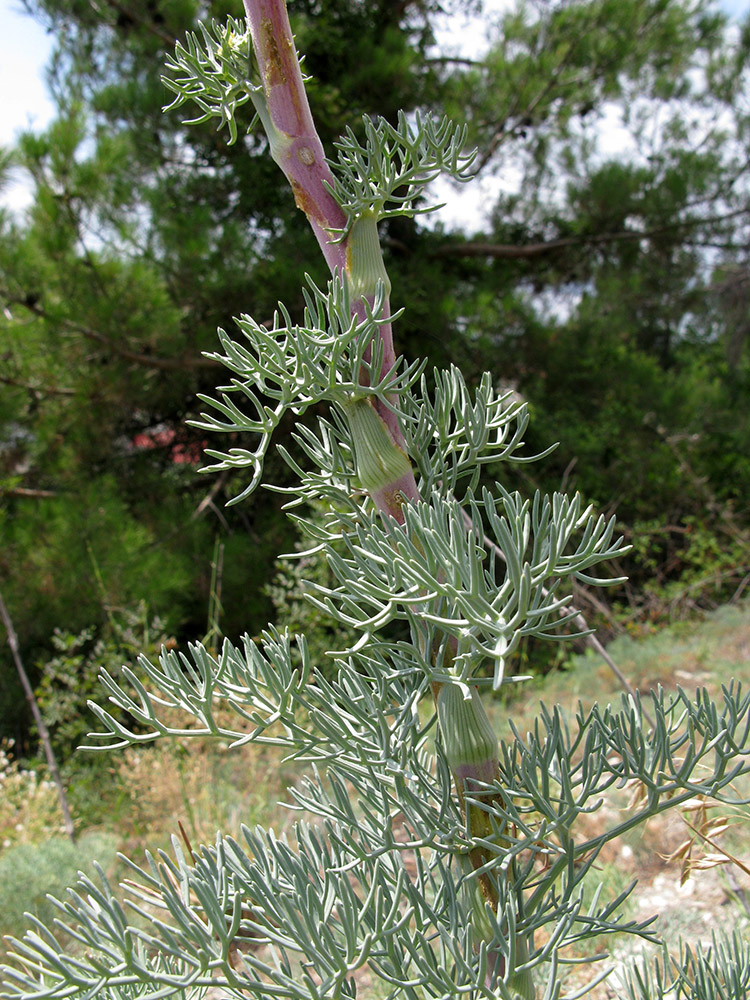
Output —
(298, 150)
(144, 360)
(40, 725)
(25, 492)
(571, 613)
(529, 251)
(38, 391)
(295, 144)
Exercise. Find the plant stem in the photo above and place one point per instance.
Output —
(295, 144)
(41, 727)
(381, 453)
(298, 150)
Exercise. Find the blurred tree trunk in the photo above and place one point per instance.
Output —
(43, 732)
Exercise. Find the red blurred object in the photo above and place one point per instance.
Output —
(180, 452)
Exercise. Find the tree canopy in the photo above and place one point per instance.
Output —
(605, 283)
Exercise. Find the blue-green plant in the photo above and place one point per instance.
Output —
(451, 865)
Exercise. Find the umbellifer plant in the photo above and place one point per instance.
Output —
(449, 865)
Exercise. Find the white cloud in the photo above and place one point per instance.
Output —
(25, 50)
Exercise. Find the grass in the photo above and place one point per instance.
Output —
(691, 654)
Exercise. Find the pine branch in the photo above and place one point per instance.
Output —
(143, 360)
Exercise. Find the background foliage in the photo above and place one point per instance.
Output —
(608, 288)
(45, 868)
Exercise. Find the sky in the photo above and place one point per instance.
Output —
(25, 49)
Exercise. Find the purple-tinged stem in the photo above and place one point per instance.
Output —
(295, 144)
(384, 467)
(296, 147)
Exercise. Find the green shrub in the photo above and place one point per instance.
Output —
(29, 806)
(70, 677)
(28, 872)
